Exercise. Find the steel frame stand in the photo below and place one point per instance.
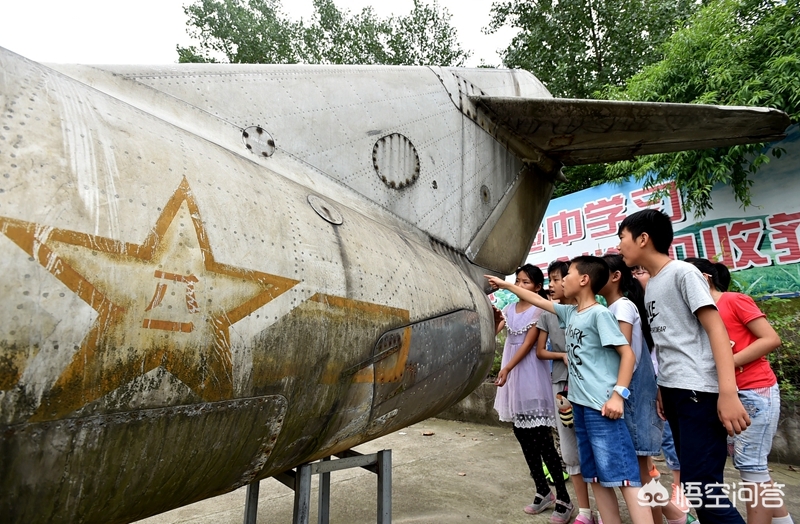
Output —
(299, 480)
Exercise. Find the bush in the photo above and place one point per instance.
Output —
(500, 342)
(784, 315)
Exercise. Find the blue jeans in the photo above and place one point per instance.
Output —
(668, 447)
(605, 449)
(752, 446)
(701, 440)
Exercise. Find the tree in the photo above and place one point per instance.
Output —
(239, 32)
(577, 47)
(734, 52)
(257, 31)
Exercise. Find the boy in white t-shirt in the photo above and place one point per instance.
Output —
(697, 385)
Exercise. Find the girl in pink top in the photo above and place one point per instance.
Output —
(752, 338)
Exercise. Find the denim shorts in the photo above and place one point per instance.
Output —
(752, 446)
(605, 448)
(641, 416)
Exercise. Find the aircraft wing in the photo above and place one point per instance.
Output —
(591, 131)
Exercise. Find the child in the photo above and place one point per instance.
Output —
(695, 366)
(667, 443)
(524, 398)
(600, 368)
(625, 298)
(548, 327)
(752, 338)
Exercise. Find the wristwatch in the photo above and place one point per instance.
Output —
(623, 392)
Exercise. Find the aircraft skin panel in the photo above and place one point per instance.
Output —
(470, 131)
(331, 117)
(590, 131)
(487, 82)
(229, 443)
(161, 283)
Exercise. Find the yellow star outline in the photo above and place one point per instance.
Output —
(166, 302)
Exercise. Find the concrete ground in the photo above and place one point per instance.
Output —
(463, 473)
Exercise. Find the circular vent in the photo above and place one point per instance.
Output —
(396, 161)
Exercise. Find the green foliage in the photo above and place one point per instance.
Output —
(499, 344)
(258, 32)
(733, 52)
(784, 315)
(577, 47)
(760, 281)
(580, 178)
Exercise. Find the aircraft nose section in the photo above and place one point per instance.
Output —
(427, 366)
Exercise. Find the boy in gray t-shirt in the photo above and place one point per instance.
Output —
(697, 385)
(548, 326)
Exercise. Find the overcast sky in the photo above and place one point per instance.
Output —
(147, 31)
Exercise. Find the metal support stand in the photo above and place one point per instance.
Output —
(379, 463)
(251, 503)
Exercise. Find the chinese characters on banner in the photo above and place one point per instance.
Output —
(765, 235)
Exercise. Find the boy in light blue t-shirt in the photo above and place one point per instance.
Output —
(600, 368)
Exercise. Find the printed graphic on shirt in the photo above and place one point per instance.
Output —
(651, 316)
(651, 311)
(576, 335)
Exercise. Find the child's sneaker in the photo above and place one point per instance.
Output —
(580, 519)
(563, 516)
(544, 502)
(654, 473)
(596, 516)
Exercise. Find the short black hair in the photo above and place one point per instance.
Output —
(719, 273)
(595, 267)
(656, 224)
(558, 265)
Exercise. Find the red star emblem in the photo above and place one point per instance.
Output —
(165, 302)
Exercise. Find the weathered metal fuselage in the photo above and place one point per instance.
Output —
(212, 274)
(181, 317)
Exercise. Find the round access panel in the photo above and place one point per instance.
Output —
(325, 210)
(258, 141)
(395, 160)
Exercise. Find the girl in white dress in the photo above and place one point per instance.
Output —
(525, 397)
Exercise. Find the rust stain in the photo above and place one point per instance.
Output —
(561, 141)
(366, 307)
(364, 376)
(391, 368)
(12, 363)
(97, 369)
